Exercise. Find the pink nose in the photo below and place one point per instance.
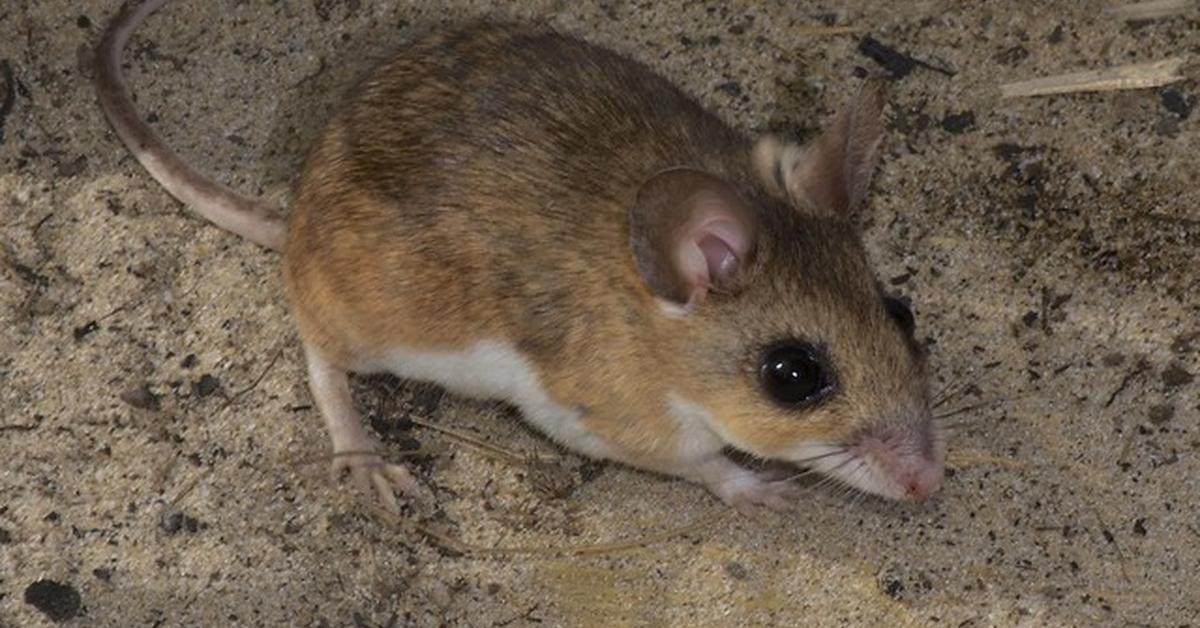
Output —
(922, 481)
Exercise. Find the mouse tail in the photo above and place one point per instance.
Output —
(256, 221)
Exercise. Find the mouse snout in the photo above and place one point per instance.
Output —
(922, 480)
(905, 461)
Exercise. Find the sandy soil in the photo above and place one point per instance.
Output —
(162, 463)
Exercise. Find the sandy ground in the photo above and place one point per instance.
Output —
(1049, 245)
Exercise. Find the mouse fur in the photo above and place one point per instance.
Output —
(477, 190)
(518, 214)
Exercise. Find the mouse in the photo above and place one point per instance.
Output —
(517, 214)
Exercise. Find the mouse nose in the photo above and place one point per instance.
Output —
(923, 480)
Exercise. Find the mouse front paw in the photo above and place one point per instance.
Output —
(750, 497)
(370, 472)
(749, 491)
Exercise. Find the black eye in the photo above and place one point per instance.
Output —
(900, 313)
(793, 374)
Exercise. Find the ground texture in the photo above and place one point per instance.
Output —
(162, 464)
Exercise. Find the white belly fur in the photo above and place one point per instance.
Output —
(495, 370)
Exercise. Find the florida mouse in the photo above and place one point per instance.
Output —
(517, 214)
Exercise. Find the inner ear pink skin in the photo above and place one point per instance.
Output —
(710, 251)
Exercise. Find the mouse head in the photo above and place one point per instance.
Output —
(790, 349)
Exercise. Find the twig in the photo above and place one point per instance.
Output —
(187, 488)
(1133, 76)
(1152, 10)
(257, 380)
(421, 451)
(962, 458)
(1116, 546)
(809, 30)
(1137, 370)
(495, 451)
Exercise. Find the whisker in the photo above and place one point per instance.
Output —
(850, 487)
(811, 470)
(830, 478)
(974, 406)
(859, 496)
(800, 474)
(850, 458)
(825, 481)
(818, 457)
(958, 425)
(948, 392)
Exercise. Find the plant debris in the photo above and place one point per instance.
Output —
(898, 64)
(1152, 10)
(9, 96)
(1132, 76)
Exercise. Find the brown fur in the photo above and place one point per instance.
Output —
(478, 187)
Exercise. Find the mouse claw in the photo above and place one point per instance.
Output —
(369, 472)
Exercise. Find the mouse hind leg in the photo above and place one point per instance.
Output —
(354, 450)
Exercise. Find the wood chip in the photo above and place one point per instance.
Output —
(1153, 10)
(1133, 76)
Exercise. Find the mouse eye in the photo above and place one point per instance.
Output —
(900, 312)
(794, 375)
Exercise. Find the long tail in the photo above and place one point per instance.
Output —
(251, 219)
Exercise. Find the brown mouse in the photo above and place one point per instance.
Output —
(520, 215)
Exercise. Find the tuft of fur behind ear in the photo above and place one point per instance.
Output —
(767, 158)
(832, 174)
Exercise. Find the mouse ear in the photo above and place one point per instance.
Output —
(690, 233)
(832, 173)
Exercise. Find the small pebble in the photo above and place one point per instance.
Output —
(1175, 376)
(736, 570)
(1162, 413)
(958, 122)
(1176, 103)
(206, 385)
(174, 522)
(59, 602)
(85, 330)
(140, 397)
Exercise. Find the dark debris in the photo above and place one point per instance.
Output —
(898, 64)
(140, 397)
(958, 122)
(174, 522)
(1175, 376)
(206, 385)
(85, 330)
(8, 97)
(59, 602)
(1177, 103)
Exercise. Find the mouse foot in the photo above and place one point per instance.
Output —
(778, 496)
(369, 471)
(748, 491)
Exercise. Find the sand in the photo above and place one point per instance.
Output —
(162, 461)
